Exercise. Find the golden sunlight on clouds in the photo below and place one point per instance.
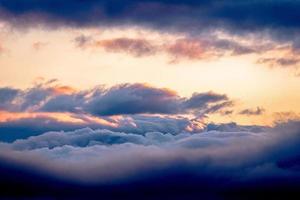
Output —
(54, 54)
(59, 117)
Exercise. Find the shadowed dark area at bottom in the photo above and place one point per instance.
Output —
(17, 182)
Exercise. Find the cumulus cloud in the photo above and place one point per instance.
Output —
(214, 158)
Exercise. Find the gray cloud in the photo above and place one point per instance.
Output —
(117, 100)
(21, 128)
(7, 95)
(257, 111)
(82, 41)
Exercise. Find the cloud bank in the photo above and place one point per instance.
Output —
(136, 108)
(216, 160)
(238, 17)
(243, 14)
(101, 101)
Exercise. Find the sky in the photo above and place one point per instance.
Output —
(183, 88)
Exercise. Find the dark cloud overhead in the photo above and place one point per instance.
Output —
(273, 16)
(246, 14)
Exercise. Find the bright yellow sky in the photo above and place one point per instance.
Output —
(248, 83)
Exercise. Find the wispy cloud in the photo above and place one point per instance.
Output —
(39, 45)
(257, 111)
(184, 48)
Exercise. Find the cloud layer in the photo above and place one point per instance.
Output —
(217, 159)
(136, 108)
(273, 24)
(244, 14)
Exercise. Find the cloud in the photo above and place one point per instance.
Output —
(253, 14)
(281, 62)
(17, 127)
(257, 111)
(206, 103)
(100, 101)
(276, 18)
(39, 45)
(233, 127)
(136, 47)
(186, 48)
(281, 117)
(136, 99)
(49, 106)
(82, 41)
(212, 46)
(214, 159)
(198, 99)
(6, 97)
